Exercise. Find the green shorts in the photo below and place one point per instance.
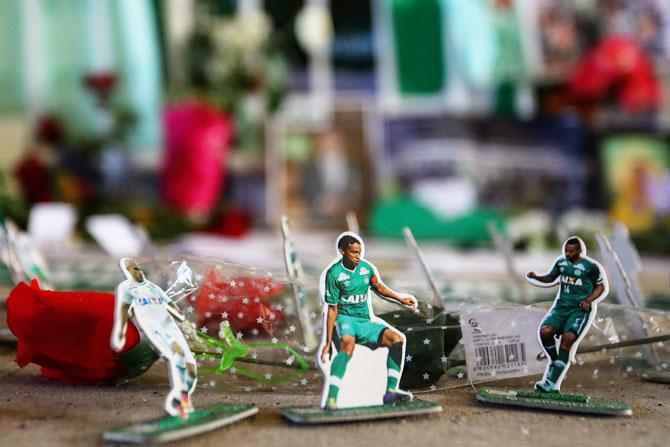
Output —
(365, 331)
(566, 319)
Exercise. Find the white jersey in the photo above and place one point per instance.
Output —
(149, 309)
(148, 303)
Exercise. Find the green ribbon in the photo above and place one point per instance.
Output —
(232, 350)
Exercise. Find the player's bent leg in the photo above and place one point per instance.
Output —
(394, 342)
(338, 368)
(547, 334)
(567, 340)
(562, 362)
(390, 337)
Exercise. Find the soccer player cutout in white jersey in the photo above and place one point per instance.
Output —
(153, 313)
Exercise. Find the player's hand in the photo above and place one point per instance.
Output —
(531, 275)
(585, 306)
(409, 301)
(325, 353)
(117, 343)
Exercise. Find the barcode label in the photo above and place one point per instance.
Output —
(500, 343)
(501, 356)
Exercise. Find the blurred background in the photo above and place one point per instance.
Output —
(534, 118)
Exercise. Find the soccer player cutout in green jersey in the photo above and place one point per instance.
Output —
(348, 319)
(583, 284)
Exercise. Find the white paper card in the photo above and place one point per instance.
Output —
(502, 343)
(115, 234)
(52, 224)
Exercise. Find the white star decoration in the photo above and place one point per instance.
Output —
(211, 296)
(460, 375)
(268, 376)
(292, 328)
(303, 382)
(233, 283)
(443, 359)
(189, 310)
(274, 340)
(259, 320)
(245, 300)
(426, 341)
(408, 358)
(426, 376)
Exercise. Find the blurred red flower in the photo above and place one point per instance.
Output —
(616, 65)
(67, 334)
(242, 301)
(196, 142)
(34, 179)
(101, 84)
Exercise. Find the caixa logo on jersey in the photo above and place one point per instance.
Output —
(353, 299)
(149, 300)
(474, 324)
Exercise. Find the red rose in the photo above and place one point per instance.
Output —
(616, 65)
(67, 334)
(243, 301)
(196, 147)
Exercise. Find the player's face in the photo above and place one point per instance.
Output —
(135, 271)
(352, 254)
(572, 252)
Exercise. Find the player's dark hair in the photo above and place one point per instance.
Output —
(574, 241)
(346, 241)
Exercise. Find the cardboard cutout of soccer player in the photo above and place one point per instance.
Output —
(582, 284)
(154, 314)
(349, 323)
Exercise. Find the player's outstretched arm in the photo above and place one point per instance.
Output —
(174, 310)
(542, 278)
(330, 327)
(118, 339)
(406, 300)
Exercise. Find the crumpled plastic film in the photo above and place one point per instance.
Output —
(622, 344)
(242, 323)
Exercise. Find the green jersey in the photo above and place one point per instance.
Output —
(577, 280)
(349, 290)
